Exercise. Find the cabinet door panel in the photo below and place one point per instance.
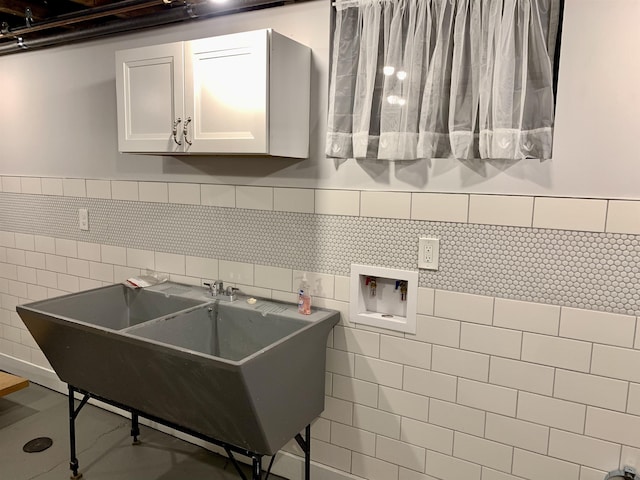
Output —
(228, 98)
(150, 90)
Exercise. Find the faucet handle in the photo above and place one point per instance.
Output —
(231, 290)
(214, 286)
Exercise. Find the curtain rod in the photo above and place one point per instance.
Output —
(345, 3)
(356, 3)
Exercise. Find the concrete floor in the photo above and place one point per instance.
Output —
(103, 445)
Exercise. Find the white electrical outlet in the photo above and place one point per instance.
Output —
(83, 219)
(428, 253)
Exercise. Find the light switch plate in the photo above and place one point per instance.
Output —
(428, 253)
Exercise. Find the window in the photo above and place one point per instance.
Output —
(415, 79)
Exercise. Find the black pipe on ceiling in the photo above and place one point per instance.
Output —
(123, 6)
(182, 12)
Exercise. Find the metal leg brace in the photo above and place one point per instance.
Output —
(234, 462)
(256, 473)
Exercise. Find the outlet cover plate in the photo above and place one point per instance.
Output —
(83, 219)
(428, 253)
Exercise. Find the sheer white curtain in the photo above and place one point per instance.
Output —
(442, 78)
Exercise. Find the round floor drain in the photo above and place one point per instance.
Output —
(37, 445)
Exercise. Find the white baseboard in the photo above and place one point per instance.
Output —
(286, 464)
(35, 373)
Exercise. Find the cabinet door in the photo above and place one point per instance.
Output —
(226, 93)
(150, 95)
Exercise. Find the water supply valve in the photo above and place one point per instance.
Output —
(402, 286)
(371, 282)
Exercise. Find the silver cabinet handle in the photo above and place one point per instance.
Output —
(175, 130)
(184, 130)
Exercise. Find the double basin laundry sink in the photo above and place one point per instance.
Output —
(249, 374)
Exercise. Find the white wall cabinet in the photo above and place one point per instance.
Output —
(245, 93)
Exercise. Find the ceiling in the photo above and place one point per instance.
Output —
(29, 24)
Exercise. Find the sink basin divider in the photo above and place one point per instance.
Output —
(256, 458)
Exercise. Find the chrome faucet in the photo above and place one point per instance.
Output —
(217, 290)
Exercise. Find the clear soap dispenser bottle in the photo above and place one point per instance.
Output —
(304, 297)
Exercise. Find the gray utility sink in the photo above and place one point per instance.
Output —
(250, 375)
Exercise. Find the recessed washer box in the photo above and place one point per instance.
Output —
(383, 306)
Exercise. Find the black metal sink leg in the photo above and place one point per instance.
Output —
(73, 413)
(305, 445)
(135, 428)
(257, 467)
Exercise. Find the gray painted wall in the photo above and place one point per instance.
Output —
(59, 119)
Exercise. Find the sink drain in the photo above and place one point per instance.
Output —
(37, 445)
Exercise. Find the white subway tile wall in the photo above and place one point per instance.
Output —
(31, 185)
(153, 192)
(273, 277)
(293, 200)
(427, 435)
(86, 251)
(52, 186)
(141, 258)
(257, 198)
(202, 268)
(98, 189)
(521, 375)
(623, 216)
(527, 316)
(123, 190)
(186, 193)
(354, 390)
(342, 288)
(407, 404)
(11, 184)
(236, 272)
(114, 255)
(463, 306)
(385, 204)
(583, 450)
(461, 363)
(337, 202)
(218, 195)
(570, 213)
(598, 327)
(587, 473)
(501, 210)
(170, 263)
(74, 187)
(440, 207)
(483, 452)
(457, 417)
(511, 431)
(539, 467)
(426, 298)
(353, 439)
(439, 331)
(488, 388)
